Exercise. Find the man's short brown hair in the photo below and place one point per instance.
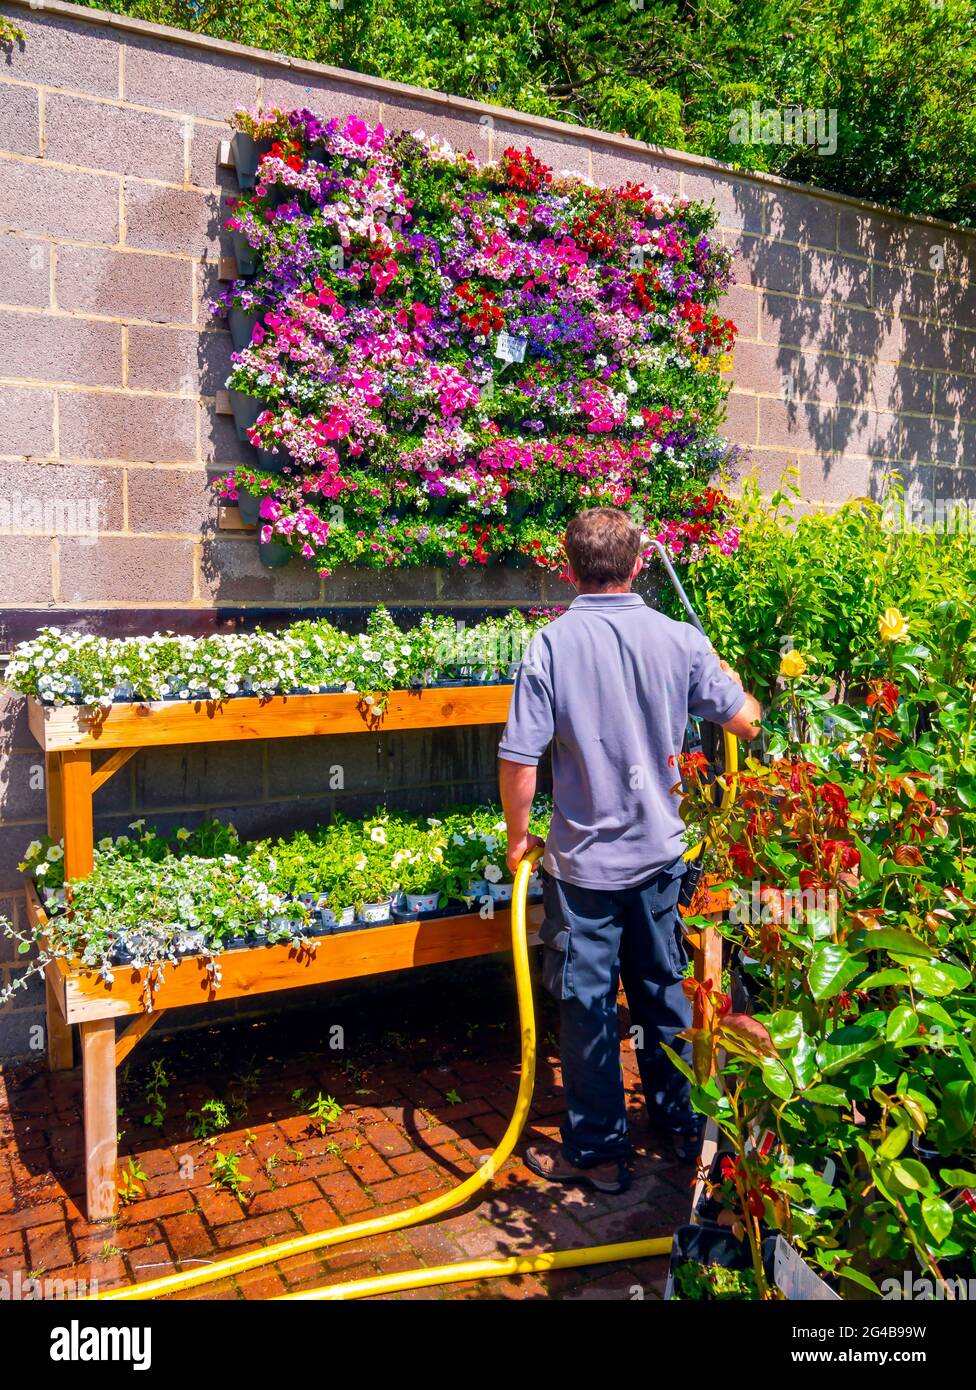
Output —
(602, 544)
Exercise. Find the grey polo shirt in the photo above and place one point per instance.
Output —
(610, 684)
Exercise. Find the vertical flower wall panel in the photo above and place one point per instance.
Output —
(438, 362)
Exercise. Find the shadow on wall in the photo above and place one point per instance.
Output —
(853, 342)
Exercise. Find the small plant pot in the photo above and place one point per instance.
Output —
(440, 506)
(478, 889)
(249, 507)
(516, 505)
(244, 254)
(121, 955)
(238, 942)
(246, 411)
(274, 555)
(246, 152)
(341, 920)
(258, 936)
(706, 1245)
(931, 1157)
(422, 902)
(317, 927)
(272, 461)
(500, 892)
(375, 914)
(242, 324)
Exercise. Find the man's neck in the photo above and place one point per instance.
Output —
(605, 588)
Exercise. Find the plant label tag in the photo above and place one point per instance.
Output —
(510, 348)
(795, 1279)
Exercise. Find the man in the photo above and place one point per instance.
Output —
(610, 684)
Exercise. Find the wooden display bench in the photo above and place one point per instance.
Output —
(73, 737)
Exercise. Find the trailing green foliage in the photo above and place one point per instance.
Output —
(899, 74)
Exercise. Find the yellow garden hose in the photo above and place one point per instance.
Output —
(437, 1206)
(484, 1269)
(730, 747)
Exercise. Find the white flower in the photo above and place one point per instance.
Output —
(378, 835)
(493, 873)
(32, 850)
(55, 853)
(182, 833)
(361, 862)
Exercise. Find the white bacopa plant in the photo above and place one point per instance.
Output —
(152, 898)
(69, 668)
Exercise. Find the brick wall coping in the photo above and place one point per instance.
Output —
(544, 124)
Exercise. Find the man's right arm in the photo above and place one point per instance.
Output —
(716, 693)
(745, 722)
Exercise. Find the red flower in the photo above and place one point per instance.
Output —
(885, 694)
(833, 796)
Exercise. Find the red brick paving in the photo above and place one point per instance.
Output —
(402, 1137)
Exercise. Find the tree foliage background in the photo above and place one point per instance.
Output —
(900, 74)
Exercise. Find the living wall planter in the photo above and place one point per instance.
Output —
(246, 153)
(274, 555)
(244, 254)
(249, 507)
(630, 432)
(271, 461)
(242, 324)
(246, 411)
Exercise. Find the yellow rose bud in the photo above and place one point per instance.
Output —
(892, 626)
(792, 666)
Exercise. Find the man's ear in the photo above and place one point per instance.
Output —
(638, 566)
(569, 574)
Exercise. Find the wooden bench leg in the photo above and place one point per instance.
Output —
(707, 966)
(101, 1118)
(60, 1049)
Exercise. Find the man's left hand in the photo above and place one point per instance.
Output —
(518, 849)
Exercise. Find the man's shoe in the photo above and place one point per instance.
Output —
(685, 1137)
(686, 1143)
(554, 1166)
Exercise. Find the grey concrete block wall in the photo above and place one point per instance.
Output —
(855, 359)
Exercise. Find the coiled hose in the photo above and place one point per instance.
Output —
(624, 1251)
